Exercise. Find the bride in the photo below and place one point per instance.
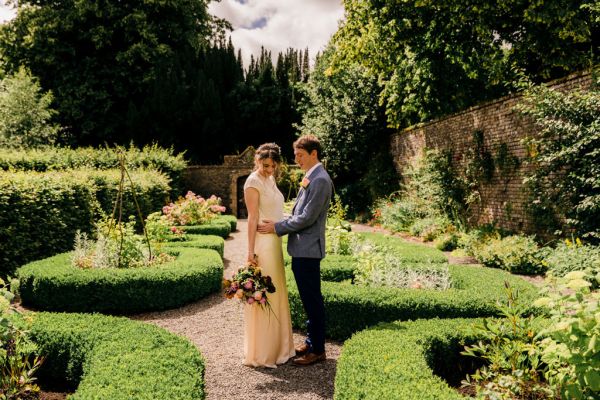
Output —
(267, 334)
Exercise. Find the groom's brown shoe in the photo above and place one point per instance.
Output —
(310, 358)
(302, 349)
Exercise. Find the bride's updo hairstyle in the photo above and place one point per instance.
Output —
(267, 150)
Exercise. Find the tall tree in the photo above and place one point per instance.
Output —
(102, 58)
(435, 58)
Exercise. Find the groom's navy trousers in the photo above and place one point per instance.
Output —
(307, 272)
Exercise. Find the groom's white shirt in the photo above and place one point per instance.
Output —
(312, 169)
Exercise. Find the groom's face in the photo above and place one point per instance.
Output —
(304, 159)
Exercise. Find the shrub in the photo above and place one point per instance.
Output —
(212, 242)
(564, 182)
(61, 158)
(334, 268)
(404, 360)
(570, 344)
(40, 212)
(409, 252)
(116, 358)
(231, 219)
(216, 228)
(447, 242)
(53, 284)
(516, 254)
(25, 113)
(351, 308)
(19, 358)
(193, 210)
(568, 257)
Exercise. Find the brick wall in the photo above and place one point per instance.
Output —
(225, 181)
(502, 200)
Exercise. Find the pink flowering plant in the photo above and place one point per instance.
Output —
(161, 230)
(249, 285)
(193, 210)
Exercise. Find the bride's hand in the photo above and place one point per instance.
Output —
(251, 259)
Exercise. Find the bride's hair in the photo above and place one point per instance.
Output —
(268, 150)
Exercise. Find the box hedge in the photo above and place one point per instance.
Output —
(62, 158)
(410, 252)
(231, 219)
(41, 211)
(405, 360)
(212, 242)
(216, 228)
(53, 284)
(351, 308)
(104, 357)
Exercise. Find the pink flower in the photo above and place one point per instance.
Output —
(263, 300)
(249, 285)
(173, 229)
(305, 182)
(257, 295)
(250, 300)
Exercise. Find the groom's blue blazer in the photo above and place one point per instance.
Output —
(306, 226)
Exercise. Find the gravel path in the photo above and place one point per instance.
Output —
(214, 325)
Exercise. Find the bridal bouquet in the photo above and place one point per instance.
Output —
(249, 285)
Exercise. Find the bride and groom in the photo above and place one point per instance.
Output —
(268, 341)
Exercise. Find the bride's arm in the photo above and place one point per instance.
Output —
(251, 199)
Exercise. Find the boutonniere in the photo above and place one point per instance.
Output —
(305, 182)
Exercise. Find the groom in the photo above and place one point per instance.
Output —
(306, 243)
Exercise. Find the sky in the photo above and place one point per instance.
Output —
(274, 24)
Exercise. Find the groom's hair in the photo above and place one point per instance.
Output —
(309, 143)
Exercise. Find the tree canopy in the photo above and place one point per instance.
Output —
(433, 58)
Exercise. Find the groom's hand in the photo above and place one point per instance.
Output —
(267, 226)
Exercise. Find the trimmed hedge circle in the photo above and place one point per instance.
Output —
(212, 242)
(351, 308)
(401, 360)
(116, 358)
(53, 284)
(216, 228)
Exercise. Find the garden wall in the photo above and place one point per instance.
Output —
(225, 181)
(503, 199)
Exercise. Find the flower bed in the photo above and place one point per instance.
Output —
(404, 360)
(351, 308)
(115, 358)
(54, 284)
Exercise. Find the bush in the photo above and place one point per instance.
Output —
(563, 179)
(53, 284)
(350, 308)
(409, 252)
(422, 351)
(116, 358)
(212, 242)
(25, 113)
(516, 254)
(61, 158)
(334, 268)
(40, 212)
(447, 242)
(568, 257)
(216, 228)
(231, 219)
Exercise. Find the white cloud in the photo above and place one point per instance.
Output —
(289, 23)
(281, 23)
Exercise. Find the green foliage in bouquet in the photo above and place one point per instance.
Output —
(249, 285)
(570, 344)
(19, 359)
